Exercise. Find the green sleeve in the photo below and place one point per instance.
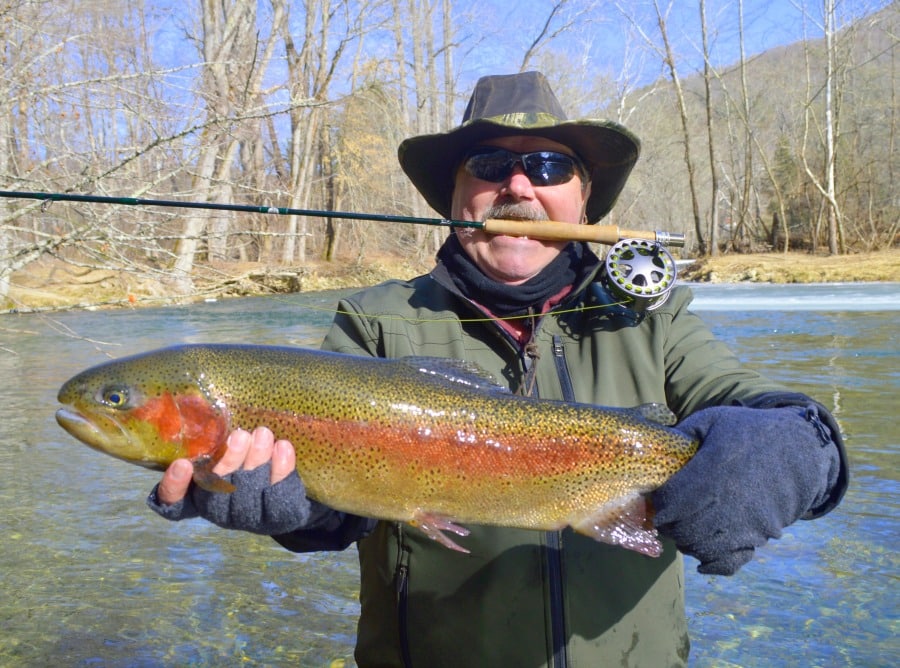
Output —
(700, 369)
(352, 332)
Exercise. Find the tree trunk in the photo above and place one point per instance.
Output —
(832, 211)
(685, 127)
(710, 137)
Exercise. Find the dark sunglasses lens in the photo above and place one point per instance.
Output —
(493, 166)
(548, 168)
(543, 168)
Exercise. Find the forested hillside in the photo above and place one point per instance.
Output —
(767, 118)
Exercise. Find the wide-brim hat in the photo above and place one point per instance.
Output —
(521, 104)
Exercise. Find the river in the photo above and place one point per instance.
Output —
(92, 578)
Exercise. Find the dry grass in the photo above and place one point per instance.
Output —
(796, 268)
(51, 284)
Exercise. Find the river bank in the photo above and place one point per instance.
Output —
(796, 268)
(51, 284)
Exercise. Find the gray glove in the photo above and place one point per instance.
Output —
(256, 505)
(757, 471)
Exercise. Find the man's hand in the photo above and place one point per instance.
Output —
(245, 451)
(757, 471)
(269, 497)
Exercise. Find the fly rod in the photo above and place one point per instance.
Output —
(547, 230)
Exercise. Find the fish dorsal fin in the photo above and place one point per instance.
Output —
(456, 372)
(655, 412)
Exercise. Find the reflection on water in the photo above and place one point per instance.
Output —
(90, 575)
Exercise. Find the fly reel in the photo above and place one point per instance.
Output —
(639, 272)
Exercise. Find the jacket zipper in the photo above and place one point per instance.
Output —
(560, 658)
(562, 369)
(555, 565)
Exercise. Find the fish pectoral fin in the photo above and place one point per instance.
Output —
(625, 522)
(206, 479)
(434, 527)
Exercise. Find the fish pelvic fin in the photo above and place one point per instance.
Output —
(626, 522)
(206, 479)
(434, 527)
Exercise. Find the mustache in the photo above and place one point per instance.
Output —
(508, 210)
(517, 211)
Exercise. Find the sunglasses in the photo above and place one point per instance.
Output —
(543, 168)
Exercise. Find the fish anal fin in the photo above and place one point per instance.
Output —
(434, 527)
(626, 522)
(206, 479)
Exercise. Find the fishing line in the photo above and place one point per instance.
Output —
(451, 318)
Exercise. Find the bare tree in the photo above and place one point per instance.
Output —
(827, 131)
(670, 62)
(835, 228)
(427, 106)
(230, 84)
(311, 69)
(548, 31)
(710, 137)
(79, 112)
(748, 134)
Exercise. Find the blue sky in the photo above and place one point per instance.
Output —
(493, 35)
(604, 35)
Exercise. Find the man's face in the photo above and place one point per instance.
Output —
(514, 260)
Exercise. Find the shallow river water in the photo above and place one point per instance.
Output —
(92, 578)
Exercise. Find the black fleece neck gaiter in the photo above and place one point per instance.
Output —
(507, 300)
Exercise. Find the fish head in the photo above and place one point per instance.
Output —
(148, 410)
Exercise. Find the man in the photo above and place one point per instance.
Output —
(535, 315)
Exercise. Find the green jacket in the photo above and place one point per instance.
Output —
(528, 598)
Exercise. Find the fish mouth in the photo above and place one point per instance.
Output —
(86, 430)
(101, 433)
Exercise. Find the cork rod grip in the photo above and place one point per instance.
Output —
(551, 230)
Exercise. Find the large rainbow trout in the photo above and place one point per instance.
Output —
(426, 441)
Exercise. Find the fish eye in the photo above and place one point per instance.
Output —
(115, 397)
